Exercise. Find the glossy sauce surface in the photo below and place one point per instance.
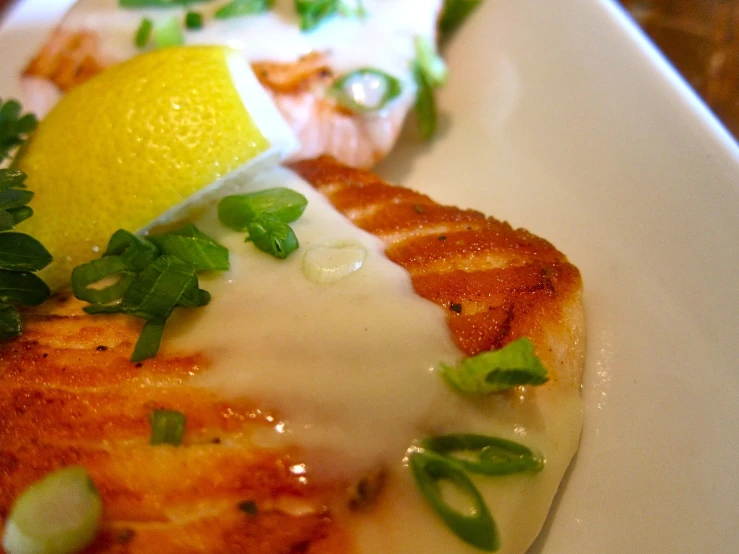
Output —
(349, 368)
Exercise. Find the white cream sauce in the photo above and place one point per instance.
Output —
(349, 367)
(383, 39)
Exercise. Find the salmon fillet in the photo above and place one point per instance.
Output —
(69, 395)
(298, 74)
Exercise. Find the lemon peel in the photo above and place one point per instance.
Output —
(141, 144)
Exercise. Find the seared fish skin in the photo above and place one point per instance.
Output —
(69, 395)
(296, 68)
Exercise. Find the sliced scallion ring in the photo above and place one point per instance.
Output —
(492, 455)
(513, 365)
(331, 263)
(167, 427)
(59, 514)
(476, 525)
(366, 90)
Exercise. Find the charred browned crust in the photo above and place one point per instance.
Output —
(497, 283)
(68, 59)
(69, 395)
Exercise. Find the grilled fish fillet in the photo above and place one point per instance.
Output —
(69, 395)
(297, 69)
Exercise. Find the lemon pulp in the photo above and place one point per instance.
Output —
(140, 139)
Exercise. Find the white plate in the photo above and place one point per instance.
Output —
(564, 120)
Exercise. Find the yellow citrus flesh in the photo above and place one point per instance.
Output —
(123, 148)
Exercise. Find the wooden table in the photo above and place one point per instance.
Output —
(701, 38)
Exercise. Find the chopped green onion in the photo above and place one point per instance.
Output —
(85, 277)
(14, 127)
(238, 8)
(149, 340)
(455, 12)
(513, 365)
(157, 3)
(194, 247)
(475, 527)
(194, 296)
(167, 427)
(494, 456)
(168, 33)
(366, 90)
(22, 288)
(328, 264)
(352, 8)
(58, 514)
(314, 12)
(10, 321)
(425, 104)
(155, 291)
(237, 210)
(143, 33)
(194, 21)
(21, 252)
(154, 277)
(136, 253)
(271, 235)
(431, 64)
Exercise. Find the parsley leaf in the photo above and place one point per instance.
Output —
(14, 126)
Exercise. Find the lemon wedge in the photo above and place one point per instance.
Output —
(141, 144)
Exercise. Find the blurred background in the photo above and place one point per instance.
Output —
(701, 38)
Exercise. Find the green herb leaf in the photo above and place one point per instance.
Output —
(23, 288)
(20, 252)
(143, 33)
(12, 178)
(60, 513)
(455, 12)
(238, 8)
(10, 321)
(149, 341)
(475, 526)
(157, 289)
(314, 12)
(237, 210)
(494, 456)
(271, 235)
(425, 104)
(167, 427)
(6, 221)
(168, 33)
(194, 21)
(191, 245)
(513, 365)
(20, 214)
(366, 90)
(14, 198)
(14, 127)
(89, 280)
